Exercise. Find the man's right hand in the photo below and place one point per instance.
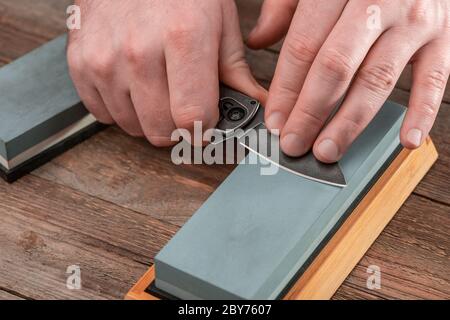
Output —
(152, 66)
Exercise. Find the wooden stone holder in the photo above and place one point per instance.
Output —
(349, 244)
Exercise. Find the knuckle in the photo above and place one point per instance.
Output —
(419, 13)
(135, 52)
(354, 123)
(236, 61)
(301, 48)
(379, 78)
(336, 65)
(428, 111)
(181, 35)
(314, 119)
(102, 64)
(436, 79)
(289, 88)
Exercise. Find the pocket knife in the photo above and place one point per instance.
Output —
(242, 116)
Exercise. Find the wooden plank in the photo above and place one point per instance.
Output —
(249, 11)
(4, 295)
(96, 221)
(36, 255)
(41, 19)
(44, 228)
(131, 173)
(27, 24)
(262, 64)
(22, 30)
(412, 254)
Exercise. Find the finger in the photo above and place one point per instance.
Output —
(191, 53)
(233, 67)
(94, 103)
(113, 88)
(273, 23)
(298, 53)
(86, 90)
(430, 76)
(118, 102)
(370, 88)
(151, 99)
(329, 77)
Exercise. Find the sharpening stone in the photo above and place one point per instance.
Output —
(38, 106)
(257, 234)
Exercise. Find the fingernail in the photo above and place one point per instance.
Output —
(293, 145)
(328, 150)
(276, 121)
(415, 137)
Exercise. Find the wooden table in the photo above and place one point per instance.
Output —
(110, 204)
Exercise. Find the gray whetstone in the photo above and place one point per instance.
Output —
(255, 232)
(37, 98)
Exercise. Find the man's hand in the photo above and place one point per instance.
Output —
(338, 47)
(152, 66)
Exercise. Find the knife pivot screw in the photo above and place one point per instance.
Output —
(236, 114)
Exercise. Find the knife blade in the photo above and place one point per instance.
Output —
(255, 137)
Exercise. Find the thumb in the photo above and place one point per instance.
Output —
(273, 23)
(233, 67)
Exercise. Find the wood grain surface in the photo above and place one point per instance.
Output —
(111, 203)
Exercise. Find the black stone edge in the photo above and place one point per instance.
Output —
(160, 294)
(154, 291)
(28, 166)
